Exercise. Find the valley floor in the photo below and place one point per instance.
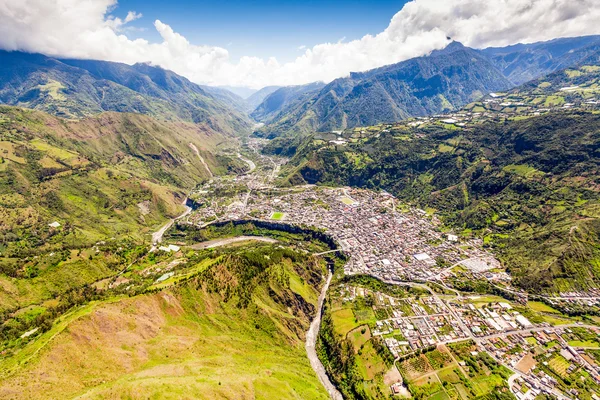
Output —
(186, 321)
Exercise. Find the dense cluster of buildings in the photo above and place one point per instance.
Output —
(539, 355)
(492, 319)
(380, 240)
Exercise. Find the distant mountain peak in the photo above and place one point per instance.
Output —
(449, 49)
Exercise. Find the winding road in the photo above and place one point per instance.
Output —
(311, 341)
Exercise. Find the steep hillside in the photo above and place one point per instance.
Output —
(231, 99)
(573, 88)
(259, 96)
(443, 81)
(529, 187)
(79, 88)
(284, 101)
(523, 62)
(115, 177)
(232, 327)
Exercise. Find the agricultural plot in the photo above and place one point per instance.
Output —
(381, 314)
(570, 375)
(541, 307)
(559, 365)
(441, 395)
(365, 316)
(462, 350)
(415, 367)
(526, 364)
(449, 375)
(438, 358)
(10, 152)
(406, 308)
(369, 362)
(344, 321)
(68, 157)
(522, 170)
(359, 336)
(581, 337)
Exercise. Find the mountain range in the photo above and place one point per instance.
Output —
(108, 288)
(443, 81)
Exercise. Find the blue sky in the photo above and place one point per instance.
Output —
(262, 28)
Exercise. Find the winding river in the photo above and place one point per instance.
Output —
(311, 341)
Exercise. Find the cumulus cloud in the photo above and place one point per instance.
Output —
(87, 29)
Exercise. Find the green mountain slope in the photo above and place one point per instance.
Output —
(234, 329)
(79, 88)
(443, 81)
(116, 177)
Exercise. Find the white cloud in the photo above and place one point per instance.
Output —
(86, 29)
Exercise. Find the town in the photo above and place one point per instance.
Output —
(539, 357)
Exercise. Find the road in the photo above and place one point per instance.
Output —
(311, 341)
(224, 242)
(327, 252)
(535, 329)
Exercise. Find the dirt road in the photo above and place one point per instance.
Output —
(224, 242)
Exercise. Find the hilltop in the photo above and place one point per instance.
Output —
(229, 324)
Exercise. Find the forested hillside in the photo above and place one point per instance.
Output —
(79, 88)
(66, 185)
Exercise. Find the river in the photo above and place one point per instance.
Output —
(311, 341)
